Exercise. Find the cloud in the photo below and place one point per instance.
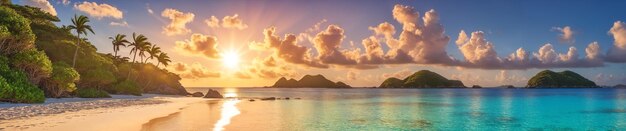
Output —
(194, 71)
(566, 34)
(327, 45)
(213, 22)
(351, 75)
(593, 51)
(43, 5)
(618, 52)
(99, 11)
(123, 24)
(286, 49)
(178, 22)
(400, 74)
(266, 68)
(423, 40)
(65, 2)
(476, 49)
(149, 9)
(231, 22)
(199, 44)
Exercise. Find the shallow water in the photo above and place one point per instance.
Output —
(429, 109)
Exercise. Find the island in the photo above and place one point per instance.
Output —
(422, 79)
(565, 79)
(309, 81)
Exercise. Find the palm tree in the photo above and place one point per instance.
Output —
(79, 23)
(139, 41)
(117, 41)
(163, 58)
(153, 52)
(144, 48)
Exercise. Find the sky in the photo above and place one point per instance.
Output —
(226, 43)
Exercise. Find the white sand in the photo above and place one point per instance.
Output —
(79, 114)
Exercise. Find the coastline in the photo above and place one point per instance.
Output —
(134, 111)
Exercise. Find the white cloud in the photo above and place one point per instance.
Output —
(231, 22)
(617, 54)
(99, 11)
(123, 24)
(43, 5)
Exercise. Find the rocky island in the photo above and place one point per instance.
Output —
(312, 81)
(565, 79)
(422, 79)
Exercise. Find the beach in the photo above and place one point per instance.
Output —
(117, 113)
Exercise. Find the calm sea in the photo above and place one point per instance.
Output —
(440, 109)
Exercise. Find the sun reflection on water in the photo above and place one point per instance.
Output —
(229, 110)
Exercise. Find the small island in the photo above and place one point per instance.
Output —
(422, 79)
(565, 79)
(309, 81)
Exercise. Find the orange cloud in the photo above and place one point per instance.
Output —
(199, 44)
(178, 22)
(233, 22)
(194, 71)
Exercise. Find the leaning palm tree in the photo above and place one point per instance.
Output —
(138, 42)
(143, 50)
(117, 41)
(153, 52)
(79, 23)
(163, 58)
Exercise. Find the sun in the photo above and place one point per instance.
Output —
(230, 59)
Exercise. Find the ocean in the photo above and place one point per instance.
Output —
(427, 109)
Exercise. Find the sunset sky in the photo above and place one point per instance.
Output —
(230, 43)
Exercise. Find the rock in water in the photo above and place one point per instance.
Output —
(269, 98)
(197, 94)
(213, 94)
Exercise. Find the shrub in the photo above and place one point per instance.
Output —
(91, 93)
(14, 86)
(127, 87)
(61, 81)
(34, 63)
(15, 32)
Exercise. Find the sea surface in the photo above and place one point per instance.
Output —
(427, 109)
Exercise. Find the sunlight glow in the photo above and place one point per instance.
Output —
(230, 59)
(229, 110)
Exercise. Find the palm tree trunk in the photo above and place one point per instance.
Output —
(76, 51)
(130, 68)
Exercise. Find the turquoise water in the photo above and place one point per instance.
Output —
(446, 109)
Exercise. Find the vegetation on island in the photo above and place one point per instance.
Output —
(39, 59)
(309, 81)
(421, 79)
(550, 79)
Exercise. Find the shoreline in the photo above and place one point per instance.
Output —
(126, 113)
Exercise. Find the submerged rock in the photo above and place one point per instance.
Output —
(269, 98)
(213, 94)
(197, 94)
(476, 86)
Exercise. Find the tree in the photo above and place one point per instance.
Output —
(153, 52)
(163, 58)
(139, 41)
(117, 41)
(143, 49)
(79, 23)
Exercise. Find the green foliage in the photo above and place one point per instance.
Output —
(61, 81)
(98, 78)
(421, 79)
(316, 81)
(34, 63)
(14, 86)
(392, 83)
(548, 78)
(91, 93)
(15, 32)
(127, 87)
